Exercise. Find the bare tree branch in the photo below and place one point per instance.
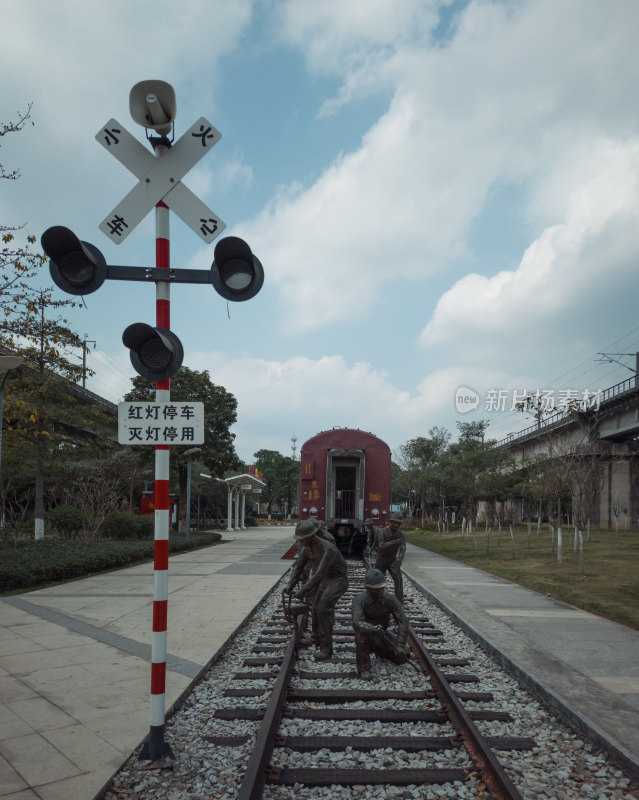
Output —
(14, 127)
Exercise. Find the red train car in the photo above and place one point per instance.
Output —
(345, 478)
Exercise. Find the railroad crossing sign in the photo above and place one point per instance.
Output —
(160, 179)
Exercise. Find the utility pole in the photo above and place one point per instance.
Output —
(614, 357)
(85, 342)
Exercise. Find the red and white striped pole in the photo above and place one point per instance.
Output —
(156, 747)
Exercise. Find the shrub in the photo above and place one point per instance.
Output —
(122, 525)
(144, 525)
(30, 563)
(66, 521)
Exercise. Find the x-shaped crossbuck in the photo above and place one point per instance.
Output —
(160, 179)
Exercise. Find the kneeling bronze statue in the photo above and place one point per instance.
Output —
(373, 610)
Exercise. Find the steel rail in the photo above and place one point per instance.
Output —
(256, 771)
(491, 771)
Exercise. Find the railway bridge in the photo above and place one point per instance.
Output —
(611, 432)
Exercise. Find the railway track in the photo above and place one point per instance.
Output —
(322, 726)
(224, 720)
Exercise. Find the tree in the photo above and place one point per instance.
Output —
(281, 476)
(18, 264)
(220, 412)
(96, 486)
(419, 459)
(495, 486)
(44, 418)
(42, 415)
(463, 464)
(528, 489)
(570, 470)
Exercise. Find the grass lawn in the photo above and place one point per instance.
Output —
(608, 583)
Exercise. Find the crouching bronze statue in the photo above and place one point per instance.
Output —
(373, 610)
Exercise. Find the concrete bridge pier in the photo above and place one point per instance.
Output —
(619, 494)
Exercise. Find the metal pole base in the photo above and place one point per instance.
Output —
(155, 747)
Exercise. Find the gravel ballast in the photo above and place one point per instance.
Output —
(561, 766)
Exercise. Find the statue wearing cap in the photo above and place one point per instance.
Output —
(373, 611)
(327, 583)
(391, 546)
(322, 530)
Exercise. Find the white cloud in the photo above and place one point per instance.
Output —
(520, 93)
(301, 396)
(232, 173)
(353, 38)
(557, 291)
(77, 62)
(370, 219)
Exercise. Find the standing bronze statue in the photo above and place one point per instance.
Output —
(391, 546)
(373, 610)
(370, 550)
(327, 583)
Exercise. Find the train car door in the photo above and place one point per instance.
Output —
(345, 485)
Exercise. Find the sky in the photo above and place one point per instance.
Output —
(443, 194)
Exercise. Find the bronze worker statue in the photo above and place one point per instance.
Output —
(391, 546)
(370, 550)
(373, 611)
(322, 529)
(327, 583)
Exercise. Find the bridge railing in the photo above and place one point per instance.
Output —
(613, 392)
(619, 388)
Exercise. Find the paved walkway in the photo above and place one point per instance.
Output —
(75, 668)
(580, 663)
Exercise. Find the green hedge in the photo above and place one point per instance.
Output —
(29, 564)
(122, 525)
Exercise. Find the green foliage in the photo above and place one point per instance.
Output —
(122, 525)
(418, 478)
(45, 423)
(65, 520)
(281, 476)
(18, 263)
(220, 413)
(29, 564)
(217, 453)
(434, 473)
(465, 463)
